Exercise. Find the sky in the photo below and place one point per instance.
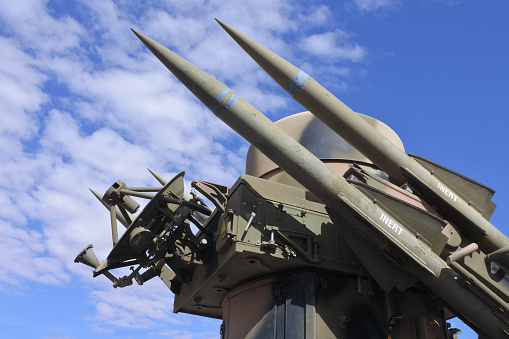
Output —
(83, 103)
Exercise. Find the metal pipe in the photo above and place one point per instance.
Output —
(137, 194)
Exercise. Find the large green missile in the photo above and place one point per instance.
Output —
(342, 198)
(372, 144)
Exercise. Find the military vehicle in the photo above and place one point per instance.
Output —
(333, 232)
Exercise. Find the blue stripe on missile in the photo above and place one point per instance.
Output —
(297, 83)
(227, 105)
(218, 98)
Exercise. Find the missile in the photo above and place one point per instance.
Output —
(400, 167)
(342, 199)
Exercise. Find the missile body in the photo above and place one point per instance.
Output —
(371, 143)
(341, 197)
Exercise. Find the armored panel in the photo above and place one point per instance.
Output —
(267, 227)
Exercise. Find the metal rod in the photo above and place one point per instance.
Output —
(114, 230)
(137, 194)
(144, 189)
(462, 253)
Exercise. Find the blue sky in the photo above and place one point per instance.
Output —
(83, 103)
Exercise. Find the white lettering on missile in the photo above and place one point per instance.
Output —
(391, 224)
(447, 192)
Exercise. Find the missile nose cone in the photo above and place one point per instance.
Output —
(162, 180)
(151, 44)
(224, 25)
(97, 195)
(212, 93)
(161, 52)
(284, 73)
(135, 32)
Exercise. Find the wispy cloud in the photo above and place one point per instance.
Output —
(135, 307)
(334, 45)
(372, 5)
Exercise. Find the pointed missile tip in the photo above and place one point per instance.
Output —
(140, 36)
(162, 180)
(150, 43)
(135, 32)
(238, 36)
(145, 39)
(225, 26)
(97, 195)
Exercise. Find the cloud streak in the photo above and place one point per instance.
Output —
(373, 5)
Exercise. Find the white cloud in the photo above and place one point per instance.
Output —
(372, 5)
(335, 45)
(135, 307)
(32, 23)
(21, 94)
(16, 243)
(147, 307)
